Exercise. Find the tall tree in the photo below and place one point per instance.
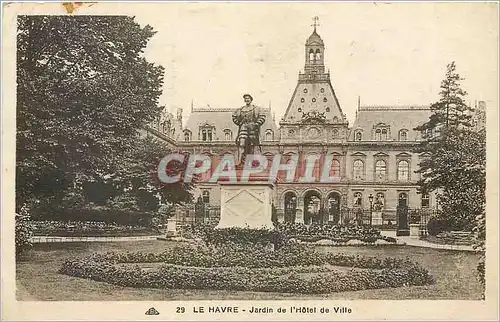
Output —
(454, 153)
(84, 89)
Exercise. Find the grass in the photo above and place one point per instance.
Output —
(37, 277)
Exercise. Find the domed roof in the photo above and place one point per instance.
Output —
(314, 39)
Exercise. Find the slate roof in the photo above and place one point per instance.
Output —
(221, 119)
(395, 117)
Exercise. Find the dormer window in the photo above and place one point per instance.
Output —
(403, 135)
(381, 132)
(187, 136)
(384, 135)
(358, 136)
(269, 136)
(228, 135)
(207, 133)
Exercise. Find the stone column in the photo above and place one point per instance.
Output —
(299, 213)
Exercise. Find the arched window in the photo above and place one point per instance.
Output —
(228, 135)
(269, 135)
(318, 54)
(204, 135)
(380, 170)
(378, 135)
(384, 135)
(358, 199)
(335, 133)
(358, 136)
(359, 170)
(403, 135)
(335, 168)
(311, 55)
(206, 196)
(425, 200)
(187, 136)
(403, 170)
(403, 199)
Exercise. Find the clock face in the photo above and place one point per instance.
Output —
(313, 133)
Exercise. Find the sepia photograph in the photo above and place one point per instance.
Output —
(243, 154)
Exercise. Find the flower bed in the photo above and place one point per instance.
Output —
(292, 269)
(88, 229)
(338, 235)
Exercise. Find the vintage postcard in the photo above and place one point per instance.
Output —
(249, 161)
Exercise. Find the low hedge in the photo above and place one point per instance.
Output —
(88, 229)
(201, 268)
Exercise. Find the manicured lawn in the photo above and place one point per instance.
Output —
(37, 277)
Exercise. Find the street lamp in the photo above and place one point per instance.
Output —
(371, 208)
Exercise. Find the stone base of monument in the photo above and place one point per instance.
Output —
(171, 227)
(246, 204)
(414, 229)
(377, 219)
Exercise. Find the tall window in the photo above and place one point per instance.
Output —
(403, 135)
(359, 170)
(335, 168)
(228, 135)
(384, 134)
(425, 200)
(311, 55)
(358, 199)
(403, 170)
(206, 196)
(358, 136)
(318, 54)
(380, 170)
(206, 135)
(187, 137)
(378, 134)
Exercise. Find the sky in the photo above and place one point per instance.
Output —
(388, 54)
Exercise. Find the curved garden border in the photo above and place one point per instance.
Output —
(312, 273)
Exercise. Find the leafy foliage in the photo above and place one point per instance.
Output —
(84, 92)
(454, 160)
(24, 231)
(437, 225)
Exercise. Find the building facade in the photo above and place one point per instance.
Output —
(372, 160)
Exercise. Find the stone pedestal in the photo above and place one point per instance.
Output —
(377, 218)
(246, 204)
(171, 227)
(414, 229)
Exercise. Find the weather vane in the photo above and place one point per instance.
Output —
(315, 24)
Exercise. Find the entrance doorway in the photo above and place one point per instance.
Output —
(333, 208)
(312, 208)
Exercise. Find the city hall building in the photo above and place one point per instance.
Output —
(373, 158)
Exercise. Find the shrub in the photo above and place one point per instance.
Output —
(24, 231)
(88, 228)
(436, 226)
(288, 270)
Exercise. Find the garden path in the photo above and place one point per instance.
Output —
(417, 242)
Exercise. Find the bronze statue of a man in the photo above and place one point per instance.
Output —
(249, 119)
